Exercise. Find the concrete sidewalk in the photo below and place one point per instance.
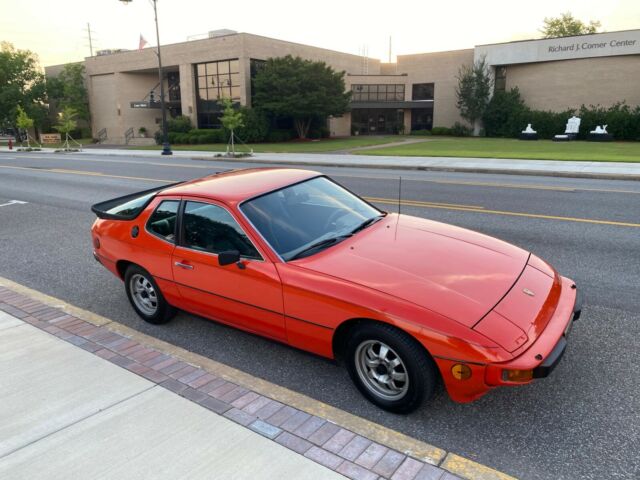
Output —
(82, 397)
(67, 413)
(605, 170)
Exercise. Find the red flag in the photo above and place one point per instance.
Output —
(142, 43)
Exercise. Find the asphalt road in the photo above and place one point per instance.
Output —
(581, 422)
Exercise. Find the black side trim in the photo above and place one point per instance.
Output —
(309, 322)
(577, 308)
(546, 367)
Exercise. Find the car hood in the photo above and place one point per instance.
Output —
(455, 272)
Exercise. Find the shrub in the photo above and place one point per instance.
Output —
(505, 115)
(178, 137)
(319, 132)
(277, 135)
(460, 130)
(256, 126)
(420, 132)
(207, 135)
(440, 131)
(180, 123)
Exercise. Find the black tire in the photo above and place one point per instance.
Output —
(419, 368)
(157, 310)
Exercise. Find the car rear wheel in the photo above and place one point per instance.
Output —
(145, 296)
(389, 367)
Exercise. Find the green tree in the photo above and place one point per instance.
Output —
(474, 91)
(566, 25)
(301, 90)
(24, 122)
(68, 90)
(21, 84)
(231, 120)
(66, 123)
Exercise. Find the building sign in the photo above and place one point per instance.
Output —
(568, 48)
(576, 47)
(145, 104)
(50, 138)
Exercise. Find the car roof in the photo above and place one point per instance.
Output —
(238, 185)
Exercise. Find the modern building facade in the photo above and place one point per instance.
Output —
(415, 93)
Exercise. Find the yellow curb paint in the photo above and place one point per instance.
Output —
(471, 470)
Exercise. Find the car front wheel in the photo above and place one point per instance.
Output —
(145, 296)
(390, 368)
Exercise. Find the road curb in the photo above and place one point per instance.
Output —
(425, 168)
(419, 450)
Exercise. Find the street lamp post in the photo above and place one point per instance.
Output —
(166, 148)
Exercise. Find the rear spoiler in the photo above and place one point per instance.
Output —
(109, 208)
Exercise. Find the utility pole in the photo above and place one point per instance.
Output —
(389, 48)
(90, 41)
(166, 148)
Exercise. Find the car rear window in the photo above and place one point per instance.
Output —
(131, 208)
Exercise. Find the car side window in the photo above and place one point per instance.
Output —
(212, 229)
(162, 221)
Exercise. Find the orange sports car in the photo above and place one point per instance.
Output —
(291, 255)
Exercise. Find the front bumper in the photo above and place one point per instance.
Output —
(540, 358)
(545, 354)
(550, 363)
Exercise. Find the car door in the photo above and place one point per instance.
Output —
(247, 294)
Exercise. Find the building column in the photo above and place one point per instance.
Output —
(407, 121)
(188, 95)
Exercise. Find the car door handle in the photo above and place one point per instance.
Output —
(186, 266)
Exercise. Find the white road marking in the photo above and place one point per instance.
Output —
(13, 202)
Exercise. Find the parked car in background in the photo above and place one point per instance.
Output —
(404, 302)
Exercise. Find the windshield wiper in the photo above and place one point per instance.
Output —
(327, 242)
(366, 223)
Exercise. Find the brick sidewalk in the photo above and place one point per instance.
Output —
(322, 441)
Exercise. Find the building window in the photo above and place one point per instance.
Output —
(422, 91)
(422, 118)
(377, 93)
(500, 84)
(173, 82)
(215, 81)
(372, 121)
(255, 66)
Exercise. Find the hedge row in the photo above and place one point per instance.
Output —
(257, 128)
(507, 115)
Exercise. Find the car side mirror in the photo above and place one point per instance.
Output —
(228, 257)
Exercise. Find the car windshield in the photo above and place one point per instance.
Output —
(302, 219)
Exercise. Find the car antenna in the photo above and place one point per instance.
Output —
(399, 205)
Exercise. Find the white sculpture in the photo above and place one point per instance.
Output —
(600, 130)
(529, 130)
(573, 125)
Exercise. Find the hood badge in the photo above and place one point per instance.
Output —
(528, 292)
